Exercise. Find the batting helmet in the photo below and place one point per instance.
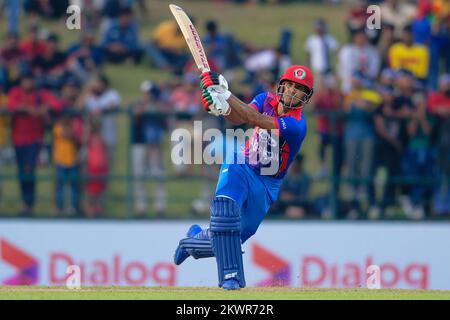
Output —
(301, 75)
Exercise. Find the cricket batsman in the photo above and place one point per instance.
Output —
(244, 192)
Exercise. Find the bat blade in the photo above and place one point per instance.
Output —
(191, 36)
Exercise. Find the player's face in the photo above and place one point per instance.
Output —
(292, 93)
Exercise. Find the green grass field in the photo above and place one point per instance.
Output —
(184, 293)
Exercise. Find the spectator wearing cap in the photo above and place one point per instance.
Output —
(32, 45)
(320, 48)
(50, 67)
(410, 56)
(85, 57)
(439, 106)
(358, 56)
(121, 39)
(149, 124)
(359, 138)
(12, 62)
(30, 107)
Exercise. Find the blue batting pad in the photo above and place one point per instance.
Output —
(225, 228)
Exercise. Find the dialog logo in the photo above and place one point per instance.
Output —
(26, 266)
(279, 270)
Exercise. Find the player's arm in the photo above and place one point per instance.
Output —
(234, 118)
(217, 100)
(249, 115)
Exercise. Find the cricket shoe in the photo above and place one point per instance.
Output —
(180, 253)
(231, 284)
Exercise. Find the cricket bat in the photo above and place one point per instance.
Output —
(191, 36)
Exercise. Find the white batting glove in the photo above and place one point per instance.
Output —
(220, 97)
(215, 100)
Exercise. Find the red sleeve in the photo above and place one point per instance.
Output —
(432, 102)
(52, 101)
(13, 99)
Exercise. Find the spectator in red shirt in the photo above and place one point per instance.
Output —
(97, 169)
(30, 110)
(439, 105)
(32, 45)
(439, 101)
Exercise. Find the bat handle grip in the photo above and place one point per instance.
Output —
(204, 70)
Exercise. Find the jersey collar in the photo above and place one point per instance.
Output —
(295, 113)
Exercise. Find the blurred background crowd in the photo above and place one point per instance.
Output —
(379, 120)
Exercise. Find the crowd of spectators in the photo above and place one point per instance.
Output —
(390, 111)
(382, 105)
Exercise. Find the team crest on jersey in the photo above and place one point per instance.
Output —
(299, 73)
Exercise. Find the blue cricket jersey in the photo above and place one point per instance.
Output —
(261, 146)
